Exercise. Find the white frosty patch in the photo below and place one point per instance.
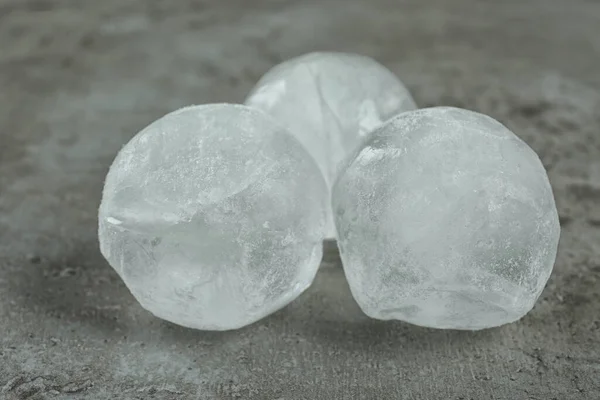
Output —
(113, 221)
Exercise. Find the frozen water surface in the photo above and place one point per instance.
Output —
(330, 101)
(214, 216)
(445, 219)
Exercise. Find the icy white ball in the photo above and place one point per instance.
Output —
(330, 101)
(214, 217)
(446, 219)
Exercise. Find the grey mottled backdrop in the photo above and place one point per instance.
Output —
(79, 78)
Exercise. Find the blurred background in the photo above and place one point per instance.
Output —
(78, 78)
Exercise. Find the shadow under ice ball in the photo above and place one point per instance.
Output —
(445, 219)
(214, 216)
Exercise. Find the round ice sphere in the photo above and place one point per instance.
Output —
(446, 219)
(214, 216)
(330, 101)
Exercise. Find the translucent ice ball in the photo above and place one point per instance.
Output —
(214, 216)
(446, 219)
(330, 101)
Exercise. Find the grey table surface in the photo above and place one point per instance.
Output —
(79, 78)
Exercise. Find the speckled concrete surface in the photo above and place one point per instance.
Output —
(79, 78)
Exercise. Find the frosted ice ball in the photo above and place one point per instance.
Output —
(446, 219)
(330, 101)
(214, 216)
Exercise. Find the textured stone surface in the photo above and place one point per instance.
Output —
(214, 216)
(78, 79)
(445, 219)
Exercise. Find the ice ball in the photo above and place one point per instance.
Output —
(330, 101)
(214, 216)
(445, 219)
